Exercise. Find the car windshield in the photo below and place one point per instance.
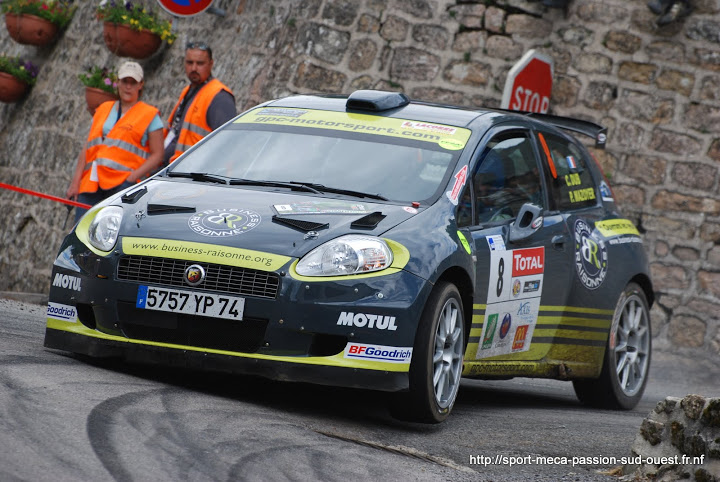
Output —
(384, 167)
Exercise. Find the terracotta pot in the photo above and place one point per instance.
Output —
(29, 29)
(94, 97)
(12, 89)
(126, 42)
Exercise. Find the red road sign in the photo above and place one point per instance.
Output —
(529, 84)
(185, 8)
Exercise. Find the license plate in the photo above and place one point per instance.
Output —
(190, 302)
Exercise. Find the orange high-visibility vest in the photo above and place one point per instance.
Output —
(194, 126)
(117, 155)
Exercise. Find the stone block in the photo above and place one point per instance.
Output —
(467, 73)
(394, 29)
(646, 169)
(683, 253)
(674, 201)
(495, 19)
(502, 47)
(710, 88)
(703, 29)
(711, 413)
(674, 143)
(662, 50)
(319, 79)
(676, 80)
(368, 24)
(637, 72)
(687, 331)
(669, 277)
(703, 117)
(341, 12)
(705, 59)
(527, 26)
(602, 13)
(577, 35)
(646, 107)
(710, 232)
(693, 406)
(629, 195)
(437, 94)
(622, 41)
(600, 95)
(431, 36)
(469, 15)
(593, 63)
(469, 41)
(630, 135)
(323, 42)
(709, 282)
(694, 174)
(652, 431)
(362, 55)
(423, 9)
(410, 63)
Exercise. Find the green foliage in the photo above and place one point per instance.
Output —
(100, 78)
(17, 67)
(137, 17)
(58, 12)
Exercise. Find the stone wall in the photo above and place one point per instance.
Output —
(678, 440)
(657, 89)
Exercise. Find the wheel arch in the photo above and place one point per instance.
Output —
(644, 281)
(461, 279)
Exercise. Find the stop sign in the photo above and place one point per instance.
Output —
(185, 8)
(529, 84)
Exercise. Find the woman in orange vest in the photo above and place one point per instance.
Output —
(124, 145)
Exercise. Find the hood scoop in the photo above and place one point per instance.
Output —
(168, 209)
(299, 224)
(368, 222)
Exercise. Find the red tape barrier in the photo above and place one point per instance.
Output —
(45, 196)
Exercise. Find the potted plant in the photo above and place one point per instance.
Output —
(16, 77)
(35, 22)
(131, 29)
(100, 86)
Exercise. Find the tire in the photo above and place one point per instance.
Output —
(626, 364)
(437, 359)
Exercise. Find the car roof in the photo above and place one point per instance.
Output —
(397, 105)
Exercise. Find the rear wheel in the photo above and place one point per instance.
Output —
(627, 356)
(436, 365)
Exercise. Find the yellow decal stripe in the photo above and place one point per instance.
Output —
(336, 360)
(210, 253)
(449, 137)
(616, 227)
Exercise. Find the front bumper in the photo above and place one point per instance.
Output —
(303, 334)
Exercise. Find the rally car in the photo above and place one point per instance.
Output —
(369, 241)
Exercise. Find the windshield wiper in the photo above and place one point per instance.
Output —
(295, 186)
(200, 176)
(348, 192)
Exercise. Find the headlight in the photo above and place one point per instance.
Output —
(103, 231)
(346, 255)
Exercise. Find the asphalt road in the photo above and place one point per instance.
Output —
(65, 418)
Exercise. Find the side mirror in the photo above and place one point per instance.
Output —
(528, 220)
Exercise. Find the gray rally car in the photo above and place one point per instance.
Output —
(369, 241)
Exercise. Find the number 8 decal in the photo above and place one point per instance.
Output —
(501, 272)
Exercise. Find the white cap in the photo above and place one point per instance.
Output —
(131, 69)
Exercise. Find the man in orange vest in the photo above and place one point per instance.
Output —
(203, 106)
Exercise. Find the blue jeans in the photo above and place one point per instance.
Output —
(92, 198)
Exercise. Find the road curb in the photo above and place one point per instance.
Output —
(34, 298)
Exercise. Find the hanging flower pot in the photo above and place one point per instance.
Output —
(12, 89)
(94, 97)
(36, 22)
(100, 86)
(126, 42)
(29, 29)
(16, 78)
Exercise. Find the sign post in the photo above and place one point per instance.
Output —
(529, 84)
(185, 8)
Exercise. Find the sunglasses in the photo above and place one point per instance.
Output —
(197, 45)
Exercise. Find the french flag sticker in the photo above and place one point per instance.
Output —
(572, 163)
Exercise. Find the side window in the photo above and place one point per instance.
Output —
(571, 185)
(506, 177)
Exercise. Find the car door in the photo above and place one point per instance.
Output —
(523, 248)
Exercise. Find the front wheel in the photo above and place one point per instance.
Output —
(437, 359)
(627, 356)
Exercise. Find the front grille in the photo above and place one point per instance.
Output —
(218, 277)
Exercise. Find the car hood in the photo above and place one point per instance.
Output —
(279, 222)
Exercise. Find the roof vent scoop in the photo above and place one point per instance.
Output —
(376, 100)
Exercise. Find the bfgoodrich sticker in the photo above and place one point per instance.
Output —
(392, 354)
(57, 311)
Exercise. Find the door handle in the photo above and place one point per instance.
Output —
(558, 241)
